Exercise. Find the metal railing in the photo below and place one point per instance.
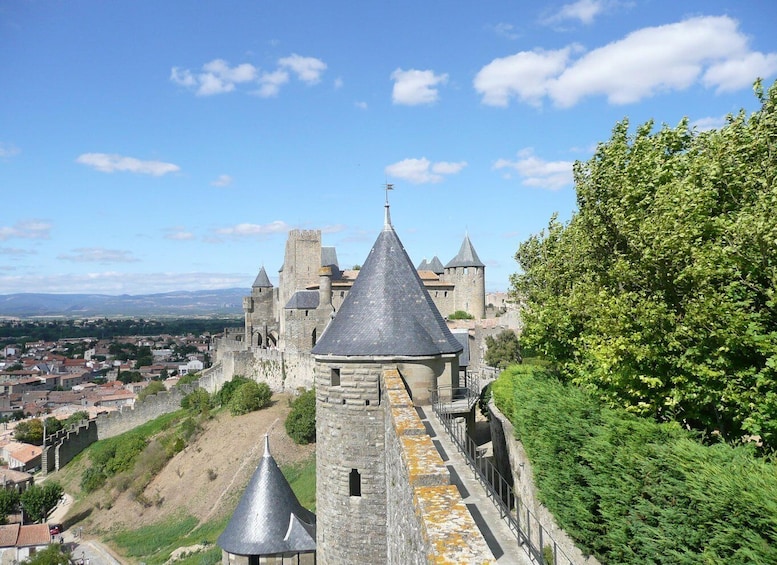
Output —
(528, 531)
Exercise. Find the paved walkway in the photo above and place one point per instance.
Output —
(498, 536)
(87, 552)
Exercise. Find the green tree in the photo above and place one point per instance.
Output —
(198, 401)
(9, 503)
(224, 395)
(29, 431)
(77, 417)
(460, 315)
(659, 294)
(301, 422)
(249, 397)
(144, 357)
(38, 501)
(502, 350)
(152, 388)
(54, 554)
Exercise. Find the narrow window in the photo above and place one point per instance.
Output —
(313, 338)
(335, 376)
(355, 483)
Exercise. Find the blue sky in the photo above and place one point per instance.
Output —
(150, 146)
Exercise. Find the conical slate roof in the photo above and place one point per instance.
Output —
(262, 280)
(466, 257)
(387, 312)
(435, 265)
(269, 519)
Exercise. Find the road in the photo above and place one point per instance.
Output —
(87, 552)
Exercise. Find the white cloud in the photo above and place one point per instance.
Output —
(98, 255)
(526, 75)
(422, 171)
(338, 83)
(705, 124)
(109, 163)
(335, 228)
(583, 10)
(216, 77)
(707, 50)
(245, 229)
(26, 229)
(223, 180)
(307, 69)
(8, 150)
(360, 105)
(533, 171)
(415, 87)
(270, 83)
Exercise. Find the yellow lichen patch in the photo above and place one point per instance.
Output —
(392, 380)
(449, 531)
(406, 421)
(398, 397)
(424, 465)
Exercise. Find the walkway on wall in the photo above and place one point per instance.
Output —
(498, 536)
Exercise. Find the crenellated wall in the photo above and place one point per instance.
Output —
(115, 423)
(281, 370)
(427, 522)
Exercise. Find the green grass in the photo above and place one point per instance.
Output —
(302, 478)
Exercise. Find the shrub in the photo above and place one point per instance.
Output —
(503, 350)
(92, 479)
(460, 315)
(198, 401)
(301, 421)
(249, 397)
(153, 388)
(224, 395)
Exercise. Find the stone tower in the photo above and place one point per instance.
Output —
(258, 310)
(468, 273)
(387, 319)
(301, 263)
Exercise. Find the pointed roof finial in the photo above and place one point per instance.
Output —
(387, 216)
(267, 445)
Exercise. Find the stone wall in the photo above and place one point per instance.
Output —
(283, 371)
(115, 423)
(66, 443)
(427, 522)
(510, 459)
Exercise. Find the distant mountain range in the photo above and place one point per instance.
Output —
(223, 302)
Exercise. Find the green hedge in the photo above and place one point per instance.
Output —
(629, 490)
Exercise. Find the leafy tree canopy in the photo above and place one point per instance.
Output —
(301, 422)
(38, 501)
(660, 294)
(54, 554)
(29, 431)
(249, 397)
(503, 350)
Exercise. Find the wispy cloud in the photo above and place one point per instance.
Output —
(98, 255)
(584, 11)
(16, 252)
(423, 171)
(222, 181)
(218, 77)
(536, 172)
(26, 229)
(109, 163)
(505, 30)
(709, 50)
(8, 150)
(335, 228)
(361, 105)
(178, 233)
(248, 230)
(113, 282)
(414, 87)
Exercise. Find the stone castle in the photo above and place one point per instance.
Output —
(312, 288)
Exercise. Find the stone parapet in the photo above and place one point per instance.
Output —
(427, 522)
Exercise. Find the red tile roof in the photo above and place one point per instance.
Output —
(33, 534)
(8, 535)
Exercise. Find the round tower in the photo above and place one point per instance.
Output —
(387, 319)
(468, 273)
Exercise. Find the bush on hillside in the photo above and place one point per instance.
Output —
(628, 489)
(197, 401)
(153, 388)
(301, 421)
(250, 396)
(460, 315)
(224, 395)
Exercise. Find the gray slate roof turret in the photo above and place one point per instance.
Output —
(388, 311)
(262, 280)
(467, 256)
(269, 520)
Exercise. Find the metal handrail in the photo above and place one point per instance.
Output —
(526, 527)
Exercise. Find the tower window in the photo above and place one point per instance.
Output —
(335, 377)
(355, 483)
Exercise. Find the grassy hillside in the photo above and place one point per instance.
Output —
(177, 481)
